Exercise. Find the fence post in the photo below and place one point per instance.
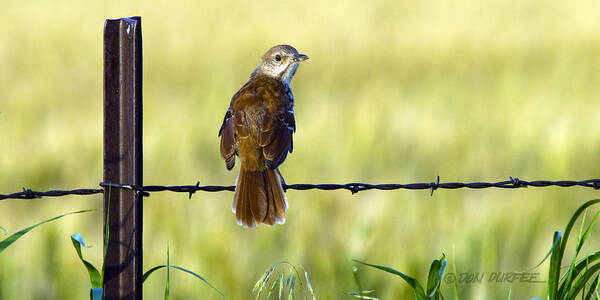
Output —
(123, 157)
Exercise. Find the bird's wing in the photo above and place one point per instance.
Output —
(228, 140)
(277, 128)
(234, 124)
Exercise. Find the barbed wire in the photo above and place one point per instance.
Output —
(30, 194)
(145, 191)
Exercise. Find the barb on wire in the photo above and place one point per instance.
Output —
(354, 188)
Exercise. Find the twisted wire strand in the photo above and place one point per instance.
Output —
(512, 183)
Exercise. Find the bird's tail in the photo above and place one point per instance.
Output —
(259, 198)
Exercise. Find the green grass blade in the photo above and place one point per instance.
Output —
(554, 292)
(280, 285)
(260, 282)
(585, 235)
(294, 276)
(593, 289)
(361, 295)
(455, 285)
(168, 275)
(577, 269)
(555, 244)
(571, 224)
(566, 285)
(291, 289)
(582, 236)
(272, 288)
(149, 272)
(418, 289)
(575, 216)
(589, 229)
(3, 230)
(356, 278)
(266, 282)
(435, 276)
(263, 281)
(106, 235)
(582, 281)
(287, 281)
(15, 236)
(309, 286)
(584, 263)
(554, 271)
(95, 278)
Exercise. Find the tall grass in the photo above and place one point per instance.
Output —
(580, 279)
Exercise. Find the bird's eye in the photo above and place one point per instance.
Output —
(277, 57)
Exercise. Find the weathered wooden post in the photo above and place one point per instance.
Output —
(123, 157)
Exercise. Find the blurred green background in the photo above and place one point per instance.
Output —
(394, 92)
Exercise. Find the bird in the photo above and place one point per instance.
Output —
(258, 128)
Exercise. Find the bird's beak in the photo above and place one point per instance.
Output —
(300, 57)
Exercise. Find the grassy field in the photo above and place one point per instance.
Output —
(393, 93)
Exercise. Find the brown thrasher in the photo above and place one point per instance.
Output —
(258, 128)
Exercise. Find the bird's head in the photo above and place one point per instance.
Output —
(280, 62)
